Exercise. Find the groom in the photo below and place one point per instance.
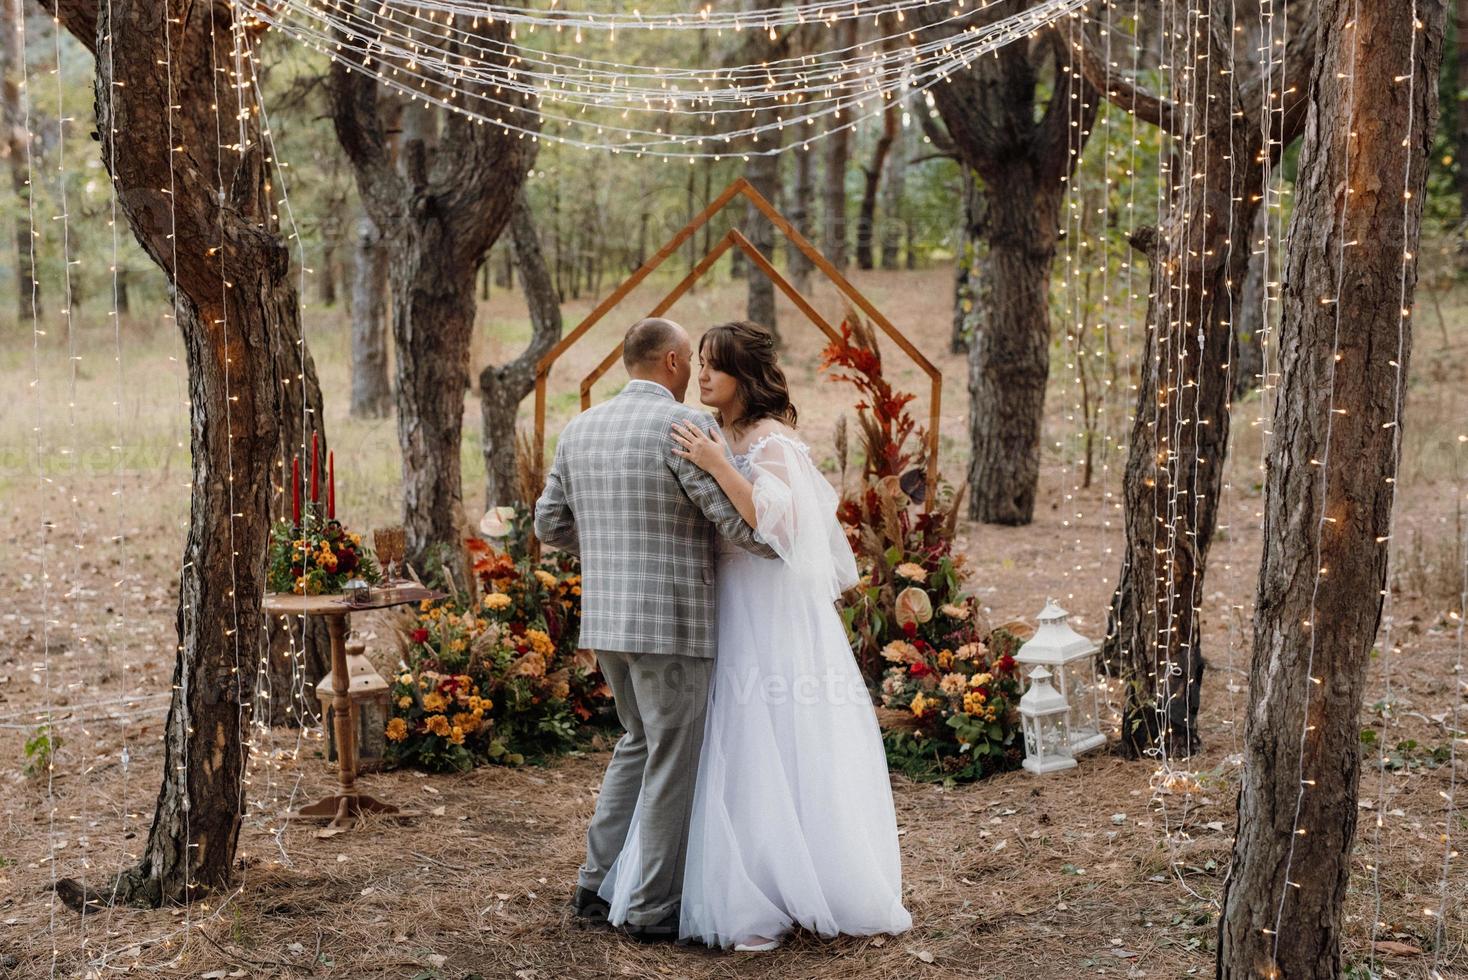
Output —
(644, 522)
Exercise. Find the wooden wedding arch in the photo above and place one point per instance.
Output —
(735, 238)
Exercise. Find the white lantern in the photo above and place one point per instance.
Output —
(1045, 715)
(1071, 660)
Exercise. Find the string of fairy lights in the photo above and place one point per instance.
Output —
(401, 60)
(423, 49)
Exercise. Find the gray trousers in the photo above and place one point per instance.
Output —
(661, 701)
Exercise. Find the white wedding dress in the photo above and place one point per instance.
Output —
(792, 821)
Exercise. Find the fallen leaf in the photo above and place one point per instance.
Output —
(922, 954)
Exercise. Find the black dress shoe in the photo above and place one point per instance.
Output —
(587, 904)
(665, 930)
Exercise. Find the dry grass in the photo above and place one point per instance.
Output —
(1084, 873)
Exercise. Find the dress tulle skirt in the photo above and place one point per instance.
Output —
(792, 821)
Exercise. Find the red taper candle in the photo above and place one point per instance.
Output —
(331, 486)
(315, 473)
(296, 491)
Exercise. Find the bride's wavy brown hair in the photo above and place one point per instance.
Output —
(746, 351)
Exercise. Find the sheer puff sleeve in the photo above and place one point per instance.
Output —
(795, 510)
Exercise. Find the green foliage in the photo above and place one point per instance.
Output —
(40, 749)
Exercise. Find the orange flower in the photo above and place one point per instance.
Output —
(438, 725)
(397, 730)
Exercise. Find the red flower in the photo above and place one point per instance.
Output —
(918, 670)
(420, 635)
(922, 645)
(1006, 663)
(910, 629)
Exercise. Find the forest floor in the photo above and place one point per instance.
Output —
(1092, 872)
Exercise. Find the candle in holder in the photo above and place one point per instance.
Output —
(296, 491)
(315, 478)
(331, 486)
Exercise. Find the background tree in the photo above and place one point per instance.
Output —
(16, 152)
(838, 158)
(1346, 339)
(1180, 429)
(440, 213)
(1022, 154)
(252, 392)
(503, 388)
(866, 222)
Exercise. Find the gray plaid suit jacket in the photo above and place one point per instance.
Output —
(644, 522)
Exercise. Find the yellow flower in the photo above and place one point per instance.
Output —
(456, 735)
(920, 704)
(356, 538)
(466, 723)
(406, 701)
(405, 678)
(952, 684)
(979, 680)
(973, 703)
(945, 659)
(433, 701)
(397, 729)
(457, 646)
(545, 578)
(496, 600)
(530, 665)
(912, 571)
(438, 725)
(540, 642)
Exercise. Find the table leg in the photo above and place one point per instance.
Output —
(347, 804)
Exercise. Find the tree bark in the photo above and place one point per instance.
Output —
(894, 215)
(971, 298)
(1345, 344)
(502, 389)
(802, 216)
(866, 222)
(17, 152)
(1009, 354)
(251, 381)
(1179, 437)
(838, 157)
(1023, 156)
(1249, 312)
(763, 173)
(371, 389)
(1459, 110)
(440, 211)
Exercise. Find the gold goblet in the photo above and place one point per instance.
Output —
(390, 543)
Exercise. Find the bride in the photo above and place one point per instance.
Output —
(792, 821)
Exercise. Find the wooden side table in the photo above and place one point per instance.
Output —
(344, 806)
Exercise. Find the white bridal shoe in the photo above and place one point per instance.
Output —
(756, 947)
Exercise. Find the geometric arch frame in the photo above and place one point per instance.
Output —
(734, 238)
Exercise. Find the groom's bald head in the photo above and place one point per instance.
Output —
(657, 349)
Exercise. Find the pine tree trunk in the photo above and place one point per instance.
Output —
(838, 157)
(763, 173)
(971, 295)
(502, 389)
(1249, 313)
(802, 216)
(866, 223)
(1009, 357)
(1459, 110)
(371, 389)
(246, 386)
(1330, 484)
(893, 205)
(1179, 437)
(12, 117)
(441, 208)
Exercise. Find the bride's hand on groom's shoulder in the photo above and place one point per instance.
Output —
(706, 450)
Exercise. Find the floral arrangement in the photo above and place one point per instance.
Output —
(952, 708)
(947, 685)
(312, 553)
(498, 677)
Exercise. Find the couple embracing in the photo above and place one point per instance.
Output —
(749, 795)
